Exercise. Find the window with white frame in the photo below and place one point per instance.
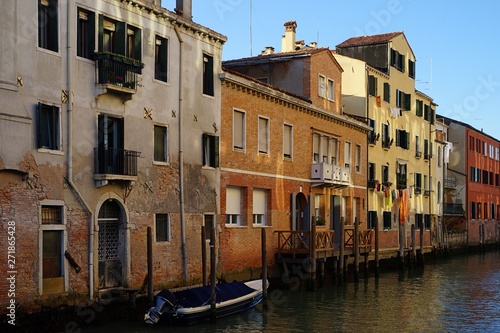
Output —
(331, 89)
(233, 205)
(357, 157)
(263, 135)
(52, 246)
(321, 86)
(162, 224)
(210, 150)
(160, 143)
(238, 130)
(48, 25)
(347, 154)
(259, 206)
(48, 127)
(287, 141)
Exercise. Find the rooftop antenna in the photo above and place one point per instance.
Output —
(251, 53)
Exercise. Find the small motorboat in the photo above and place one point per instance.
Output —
(193, 305)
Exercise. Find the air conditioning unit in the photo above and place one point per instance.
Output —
(321, 171)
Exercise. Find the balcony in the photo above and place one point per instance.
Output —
(112, 164)
(453, 209)
(117, 73)
(325, 174)
(450, 183)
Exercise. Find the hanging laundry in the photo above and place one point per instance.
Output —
(404, 207)
(447, 150)
(379, 101)
(395, 112)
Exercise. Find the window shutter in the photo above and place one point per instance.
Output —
(39, 126)
(216, 152)
(100, 39)
(90, 34)
(398, 140)
(259, 201)
(53, 26)
(233, 200)
(287, 141)
(238, 129)
(137, 44)
(407, 140)
(263, 135)
(119, 40)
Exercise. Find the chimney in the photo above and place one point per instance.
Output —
(155, 2)
(268, 50)
(288, 39)
(313, 45)
(299, 44)
(184, 8)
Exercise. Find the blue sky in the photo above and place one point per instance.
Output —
(456, 43)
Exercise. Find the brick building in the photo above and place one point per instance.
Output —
(287, 152)
(95, 122)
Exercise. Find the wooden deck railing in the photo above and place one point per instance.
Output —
(295, 242)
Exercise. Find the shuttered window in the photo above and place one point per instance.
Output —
(233, 205)
(263, 135)
(287, 141)
(238, 130)
(48, 25)
(259, 206)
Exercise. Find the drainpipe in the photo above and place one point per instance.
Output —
(181, 162)
(69, 179)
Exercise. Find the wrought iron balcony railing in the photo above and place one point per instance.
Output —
(115, 161)
(450, 182)
(116, 70)
(453, 209)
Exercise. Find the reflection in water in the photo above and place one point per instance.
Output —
(459, 295)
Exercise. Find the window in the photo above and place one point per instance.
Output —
(485, 148)
(233, 205)
(426, 183)
(162, 224)
(401, 176)
(439, 192)
(385, 174)
(259, 206)
(372, 136)
(372, 219)
(48, 35)
(208, 75)
(403, 100)
(347, 154)
(161, 59)
(418, 221)
(402, 139)
(411, 68)
(333, 149)
(419, 108)
(331, 89)
(372, 85)
(418, 153)
(485, 177)
(387, 220)
(325, 149)
(48, 127)
(85, 34)
(491, 178)
(238, 130)
(287, 141)
(478, 210)
(387, 92)
(492, 211)
(386, 143)
(52, 238)
(133, 40)
(371, 171)
(357, 159)
(427, 221)
(418, 183)
(397, 60)
(471, 143)
(210, 150)
(427, 112)
(439, 157)
(426, 149)
(263, 135)
(160, 144)
(321, 86)
(473, 210)
(110, 137)
(485, 211)
(316, 145)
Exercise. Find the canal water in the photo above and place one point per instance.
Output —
(461, 294)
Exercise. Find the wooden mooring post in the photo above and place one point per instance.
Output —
(341, 263)
(420, 259)
(413, 254)
(312, 256)
(213, 300)
(356, 249)
(264, 265)
(401, 245)
(377, 246)
(204, 255)
(150, 267)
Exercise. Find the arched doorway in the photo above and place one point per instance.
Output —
(111, 244)
(301, 212)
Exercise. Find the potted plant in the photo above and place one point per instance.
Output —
(320, 221)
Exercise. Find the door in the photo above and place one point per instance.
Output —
(111, 245)
(110, 140)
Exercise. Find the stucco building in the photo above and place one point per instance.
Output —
(379, 88)
(109, 124)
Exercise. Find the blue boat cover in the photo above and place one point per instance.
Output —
(195, 297)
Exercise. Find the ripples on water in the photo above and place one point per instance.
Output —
(458, 295)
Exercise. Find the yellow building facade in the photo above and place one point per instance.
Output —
(379, 88)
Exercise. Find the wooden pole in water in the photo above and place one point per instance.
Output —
(312, 255)
(356, 249)
(421, 259)
(413, 246)
(204, 254)
(401, 246)
(377, 245)
(150, 267)
(264, 263)
(341, 252)
(213, 311)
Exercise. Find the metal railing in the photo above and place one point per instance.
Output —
(450, 182)
(115, 70)
(453, 209)
(115, 161)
